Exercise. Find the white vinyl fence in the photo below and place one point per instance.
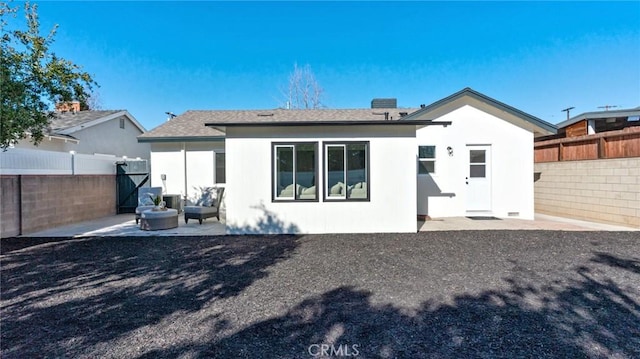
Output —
(19, 161)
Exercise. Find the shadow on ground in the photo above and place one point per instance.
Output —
(590, 310)
(587, 316)
(67, 296)
(267, 222)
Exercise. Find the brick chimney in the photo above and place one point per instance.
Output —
(68, 106)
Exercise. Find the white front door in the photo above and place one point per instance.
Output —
(478, 179)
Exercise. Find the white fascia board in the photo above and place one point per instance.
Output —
(61, 138)
(54, 137)
(100, 120)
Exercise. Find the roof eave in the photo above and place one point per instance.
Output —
(181, 139)
(65, 138)
(598, 115)
(221, 125)
(543, 125)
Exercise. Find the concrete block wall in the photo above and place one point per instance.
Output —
(9, 206)
(606, 191)
(47, 201)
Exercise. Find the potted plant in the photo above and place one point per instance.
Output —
(157, 202)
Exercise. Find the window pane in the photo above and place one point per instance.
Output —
(284, 172)
(426, 151)
(477, 156)
(306, 171)
(220, 168)
(478, 171)
(425, 167)
(357, 171)
(335, 171)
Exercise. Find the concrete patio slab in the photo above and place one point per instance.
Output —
(125, 225)
(541, 222)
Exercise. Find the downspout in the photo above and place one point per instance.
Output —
(19, 205)
(184, 157)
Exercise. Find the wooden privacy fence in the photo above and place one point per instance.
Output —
(612, 144)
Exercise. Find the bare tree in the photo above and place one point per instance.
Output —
(303, 91)
(94, 102)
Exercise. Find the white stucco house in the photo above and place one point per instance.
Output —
(109, 132)
(363, 170)
(481, 165)
(186, 155)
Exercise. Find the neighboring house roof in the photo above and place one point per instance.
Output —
(186, 127)
(600, 115)
(468, 96)
(66, 123)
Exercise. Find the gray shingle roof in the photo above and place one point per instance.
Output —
(471, 93)
(64, 120)
(191, 124)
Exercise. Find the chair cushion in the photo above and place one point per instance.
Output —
(287, 191)
(199, 209)
(145, 194)
(358, 193)
(337, 188)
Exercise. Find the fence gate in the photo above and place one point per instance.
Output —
(130, 176)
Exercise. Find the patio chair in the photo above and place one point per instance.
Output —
(206, 207)
(145, 202)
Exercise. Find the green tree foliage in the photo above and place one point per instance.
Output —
(33, 78)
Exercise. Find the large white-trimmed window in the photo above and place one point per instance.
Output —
(295, 171)
(346, 171)
(426, 160)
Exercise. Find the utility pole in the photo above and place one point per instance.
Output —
(567, 111)
(607, 107)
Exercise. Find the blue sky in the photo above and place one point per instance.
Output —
(540, 57)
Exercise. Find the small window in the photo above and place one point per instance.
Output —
(477, 164)
(220, 168)
(295, 171)
(426, 159)
(122, 122)
(346, 171)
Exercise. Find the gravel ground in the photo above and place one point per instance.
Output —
(488, 294)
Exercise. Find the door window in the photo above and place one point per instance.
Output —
(477, 163)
